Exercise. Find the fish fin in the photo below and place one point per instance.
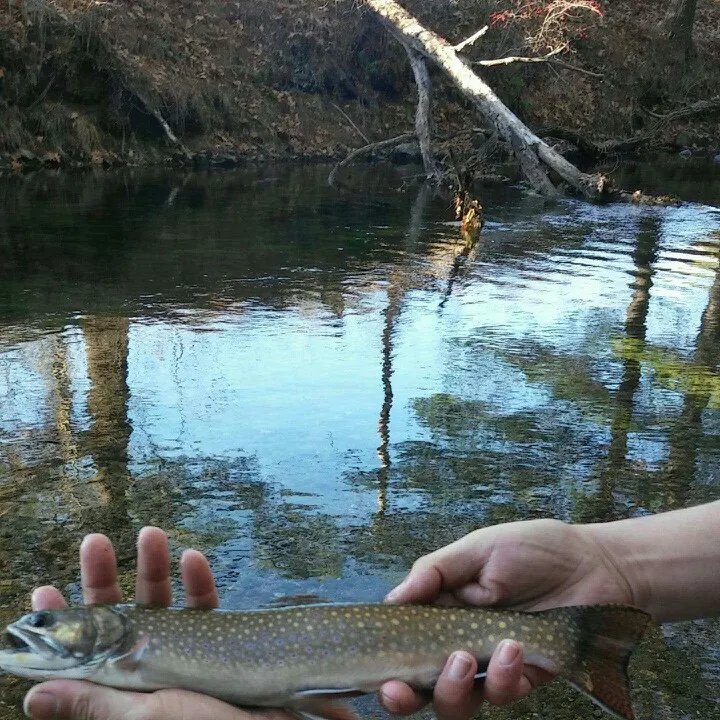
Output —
(329, 693)
(295, 600)
(608, 635)
(320, 707)
(130, 661)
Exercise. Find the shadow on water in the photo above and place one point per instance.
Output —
(315, 388)
(696, 179)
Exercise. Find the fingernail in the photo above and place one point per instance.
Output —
(35, 600)
(508, 652)
(41, 705)
(88, 538)
(395, 593)
(459, 666)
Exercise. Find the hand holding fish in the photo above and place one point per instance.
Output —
(81, 700)
(665, 564)
(531, 565)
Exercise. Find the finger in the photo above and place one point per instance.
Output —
(152, 586)
(80, 700)
(400, 699)
(505, 681)
(198, 580)
(446, 569)
(98, 571)
(421, 585)
(77, 700)
(173, 704)
(454, 697)
(47, 598)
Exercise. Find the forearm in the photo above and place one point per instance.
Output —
(671, 561)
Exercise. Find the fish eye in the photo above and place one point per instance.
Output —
(41, 620)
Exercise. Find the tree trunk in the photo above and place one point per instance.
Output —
(422, 115)
(532, 153)
(679, 23)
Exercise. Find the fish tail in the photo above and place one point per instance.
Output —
(607, 637)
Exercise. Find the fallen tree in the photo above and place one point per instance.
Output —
(536, 158)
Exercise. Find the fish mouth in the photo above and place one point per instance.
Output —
(31, 656)
(13, 642)
(23, 641)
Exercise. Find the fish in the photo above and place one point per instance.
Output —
(306, 659)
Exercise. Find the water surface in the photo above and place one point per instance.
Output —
(315, 386)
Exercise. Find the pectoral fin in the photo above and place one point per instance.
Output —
(130, 661)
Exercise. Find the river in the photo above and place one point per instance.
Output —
(315, 385)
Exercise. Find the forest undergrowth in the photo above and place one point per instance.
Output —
(216, 82)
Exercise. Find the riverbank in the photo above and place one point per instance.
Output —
(212, 84)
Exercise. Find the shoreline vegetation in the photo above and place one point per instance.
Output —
(218, 84)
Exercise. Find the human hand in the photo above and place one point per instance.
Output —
(532, 565)
(82, 700)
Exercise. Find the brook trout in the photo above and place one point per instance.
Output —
(306, 658)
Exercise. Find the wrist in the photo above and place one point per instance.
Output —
(618, 554)
(670, 561)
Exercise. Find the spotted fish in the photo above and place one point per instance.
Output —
(306, 658)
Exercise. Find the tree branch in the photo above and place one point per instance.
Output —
(702, 106)
(548, 60)
(366, 150)
(352, 124)
(469, 41)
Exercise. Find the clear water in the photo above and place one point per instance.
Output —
(316, 386)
